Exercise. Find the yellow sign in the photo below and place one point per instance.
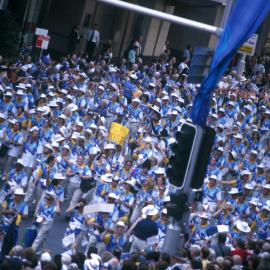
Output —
(249, 46)
(118, 133)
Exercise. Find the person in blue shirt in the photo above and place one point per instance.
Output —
(44, 218)
(77, 222)
(13, 212)
(114, 239)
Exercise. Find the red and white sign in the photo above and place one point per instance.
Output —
(42, 42)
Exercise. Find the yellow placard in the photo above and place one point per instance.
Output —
(246, 49)
(118, 133)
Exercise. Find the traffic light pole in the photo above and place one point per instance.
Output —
(176, 230)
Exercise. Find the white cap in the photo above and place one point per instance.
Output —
(112, 195)
(20, 92)
(213, 177)
(132, 182)
(49, 146)
(136, 100)
(149, 210)
(267, 186)
(46, 257)
(234, 154)
(35, 128)
(245, 172)
(20, 161)
(204, 215)
(133, 76)
(59, 176)
(254, 152)
(238, 136)
(120, 223)
(3, 116)
(72, 107)
(234, 191)
(93, 125)
(91, 264)
(55, 144)
(62, 116)
(66, 146)
(156, 108)
(19, 191)
(147, 139)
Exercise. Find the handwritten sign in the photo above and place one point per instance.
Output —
(118, 133)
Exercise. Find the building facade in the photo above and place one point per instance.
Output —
(122, 26)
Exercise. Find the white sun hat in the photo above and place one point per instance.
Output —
(242, 226)
(19, 191)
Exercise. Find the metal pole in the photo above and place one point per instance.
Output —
(227, 11)
(242, 64)
(164, 16)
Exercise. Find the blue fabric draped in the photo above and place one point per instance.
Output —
(244, 20)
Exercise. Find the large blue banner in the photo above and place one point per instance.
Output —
(244, 20)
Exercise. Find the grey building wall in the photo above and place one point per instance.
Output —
(180, 36)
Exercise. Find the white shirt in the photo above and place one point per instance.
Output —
(95, 37)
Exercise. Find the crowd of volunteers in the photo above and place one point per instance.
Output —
(56, 158)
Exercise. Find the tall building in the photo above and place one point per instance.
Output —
(122, 26)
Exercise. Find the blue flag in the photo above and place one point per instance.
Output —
(244, 20)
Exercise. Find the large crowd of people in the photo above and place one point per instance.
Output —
(57, 158)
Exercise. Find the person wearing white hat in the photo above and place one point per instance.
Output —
(44, 218)
(8, 106)
(91, 264)
(14, 211)
(250, 163)
(134, 115)
(76, 224)
(16, 178)
(127, 199)
(78, 173)
(261, 223)
(30, 148)
(143, 228)
(54, 186)
(242, 229)
(212, 192)
(14, 140)
(115, 239)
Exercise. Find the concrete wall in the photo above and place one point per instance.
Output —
(180, 36)
(62, 16)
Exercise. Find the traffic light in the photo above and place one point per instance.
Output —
(200, 64)
(201, 163)
(177, 205)
(191, 152)
(182, 149)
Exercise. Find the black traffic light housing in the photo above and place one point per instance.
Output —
(182, 149)
(178, 205)
(190, 157)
